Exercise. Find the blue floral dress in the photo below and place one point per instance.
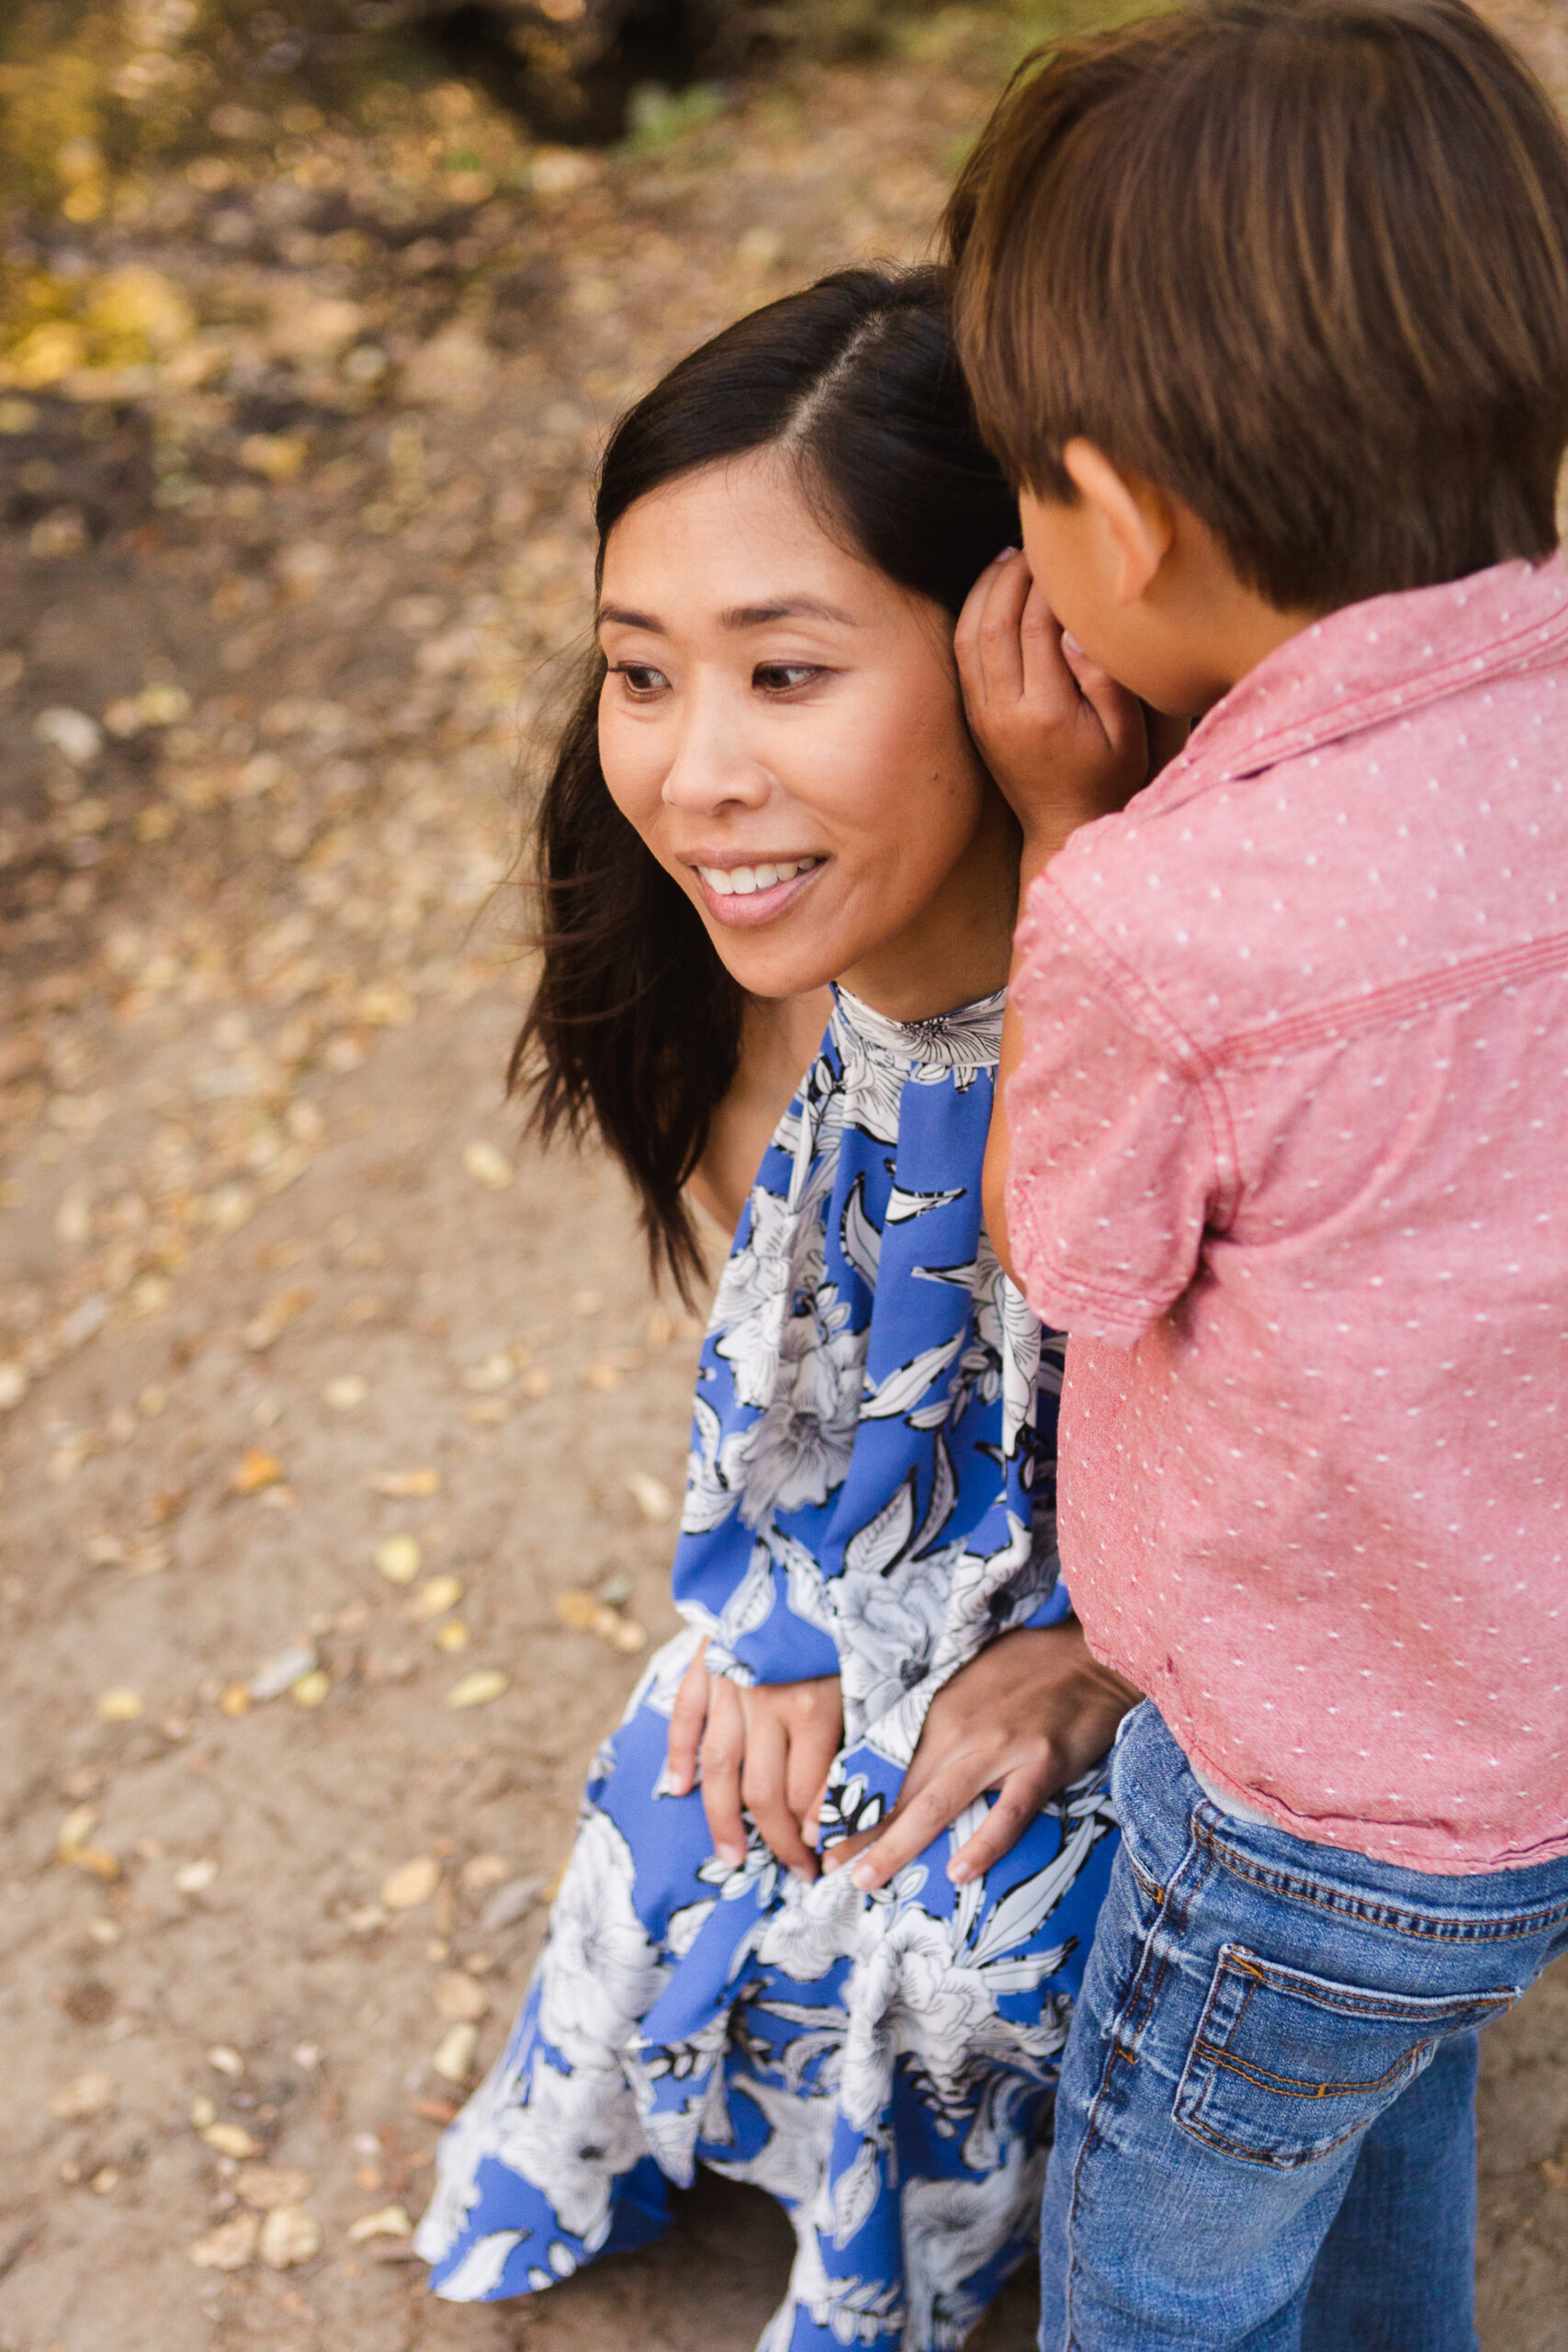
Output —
(870, 1494)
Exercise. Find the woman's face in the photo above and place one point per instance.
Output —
(782, 724)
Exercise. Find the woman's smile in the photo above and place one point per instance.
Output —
(747, 895)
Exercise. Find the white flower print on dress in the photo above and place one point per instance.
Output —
(603, 1972)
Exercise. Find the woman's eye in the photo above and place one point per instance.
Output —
(785, 677)
(641, 677)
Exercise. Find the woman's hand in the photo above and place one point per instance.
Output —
(1065, 742)
(1024, 1718)
(769, 1748)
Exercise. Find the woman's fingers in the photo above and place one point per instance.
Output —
(1018, 1799)
(686, 1720)
(764, 1787)
(917, 1820)
(723, 1749)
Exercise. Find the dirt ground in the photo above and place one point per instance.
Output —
(315, 1382)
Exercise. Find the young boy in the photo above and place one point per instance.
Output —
(1265, 305)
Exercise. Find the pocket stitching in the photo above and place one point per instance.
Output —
(1235, 1963)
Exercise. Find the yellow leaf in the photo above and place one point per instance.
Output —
(412, 1883)
(487, 1166)
(256, 1471)
(387, 2222)
(399, 1557)
(476, 1690)
(119, 1707)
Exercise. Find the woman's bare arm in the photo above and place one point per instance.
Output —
(778, 1039)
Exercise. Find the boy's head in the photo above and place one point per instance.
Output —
(1300, 266)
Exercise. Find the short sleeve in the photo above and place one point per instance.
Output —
(1113, 1173)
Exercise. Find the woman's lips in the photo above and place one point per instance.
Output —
(745, 895)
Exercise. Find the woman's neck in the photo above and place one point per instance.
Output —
(959, 946)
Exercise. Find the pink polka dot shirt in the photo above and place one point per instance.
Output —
(1290, 1162)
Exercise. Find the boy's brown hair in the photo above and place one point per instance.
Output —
(1301, 263)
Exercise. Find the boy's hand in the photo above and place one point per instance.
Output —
(1065, 742)
(1024, 1718)
(769, 1749)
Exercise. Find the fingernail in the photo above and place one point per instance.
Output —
(796, 1872)
(733, 1855)
(960, 1874)
(1007, 554)
(1069, 642)
(864, 1877)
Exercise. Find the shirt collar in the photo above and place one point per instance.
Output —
(1372, 661)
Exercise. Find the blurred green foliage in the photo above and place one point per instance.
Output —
(93, 92)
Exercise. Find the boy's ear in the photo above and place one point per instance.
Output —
(1138, 518)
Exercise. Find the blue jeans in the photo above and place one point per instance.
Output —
(1265, 2124)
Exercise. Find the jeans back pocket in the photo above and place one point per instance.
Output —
(1285, 2066)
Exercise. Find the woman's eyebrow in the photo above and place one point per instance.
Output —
(791, 608)
(622, 618)
(737, 617)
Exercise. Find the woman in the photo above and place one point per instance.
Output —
(768, 787)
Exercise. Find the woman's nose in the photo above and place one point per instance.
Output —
(712, 767)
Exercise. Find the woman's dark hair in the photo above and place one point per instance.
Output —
(635, 1028)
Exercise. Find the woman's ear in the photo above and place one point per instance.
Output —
(1138, 519)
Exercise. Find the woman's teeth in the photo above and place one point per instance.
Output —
(732, 881)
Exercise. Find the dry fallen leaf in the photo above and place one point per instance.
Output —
(202, 2112)
(345, 1392)
(411, 1883)
(536, 1383)
(605, 1375)
(452, 1636)
(265, 2186)
(311, 1689)
(264, 1328)
(586, 1613)
(405, 1485)
(73, 1847)
(476, 1690)
(487, 1166)
(75, 1830)
(400, 1558)
(290, 2235)
(458, 1998)
(228, 2247)
(230, 2140)
(434, 1596)
(454, 2055)
(1554, 2171)
(256, 1471)
(387, 2222)
(234, 1699)
(226, 2060)
(192, 1878)
(281, 1673)
(652, 1497)
(89, 2095)
(482, 1871)
(510, 1903)
(119, 1706)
